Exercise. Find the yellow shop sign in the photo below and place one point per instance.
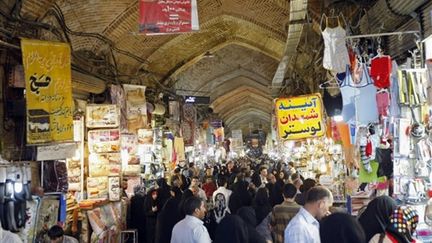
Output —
(300, 117)
(47, 71)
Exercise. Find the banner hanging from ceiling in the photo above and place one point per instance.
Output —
(136, 107)
(47, 68)
(237, 139)
(300, 117)
(158, 17)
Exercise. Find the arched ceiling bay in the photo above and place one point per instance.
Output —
(251, 117)
(237, 80)
(246, 37)
(240, 96)
(214, 35)
(244, 103)
(228, 63)
(257, 24)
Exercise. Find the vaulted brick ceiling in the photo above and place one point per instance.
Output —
(246, 37)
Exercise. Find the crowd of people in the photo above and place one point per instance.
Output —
(264, 202)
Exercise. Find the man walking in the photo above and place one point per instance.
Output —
(284, 212)
(191, 229)
(304, 227)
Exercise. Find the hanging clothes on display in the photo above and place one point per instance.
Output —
(383, 157)
(383, 102)
(366, 104)
(381, 69)
(365, 153)
(349, 93)
(359, 99)
(344, 133)
(332, 104)
(335, 51)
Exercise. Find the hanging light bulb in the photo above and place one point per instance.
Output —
(18, 186)
(208, 54)
(338, 118)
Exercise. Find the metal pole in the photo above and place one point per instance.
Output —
(383, 34)
(4, 43)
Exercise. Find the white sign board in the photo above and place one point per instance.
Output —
(57, 151)
(237, 139)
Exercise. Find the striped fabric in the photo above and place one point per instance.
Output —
(280, 217)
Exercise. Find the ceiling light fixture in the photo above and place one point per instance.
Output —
(208, 54)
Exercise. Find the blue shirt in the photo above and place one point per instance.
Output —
(190, 230)
(303, 228)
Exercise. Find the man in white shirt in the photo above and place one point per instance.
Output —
(221, 199)
(304, 227)
(201, 193)
(191, 229)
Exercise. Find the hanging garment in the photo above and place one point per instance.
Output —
(349, 93)
(383, 102)
(365, 153)
(381, 68)
(335, 132)
(335, 51)
(383, 157)
(366, 104)
(344, 132)
(359, 100)
(332, 104)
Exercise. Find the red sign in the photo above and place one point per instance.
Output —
(168, 16)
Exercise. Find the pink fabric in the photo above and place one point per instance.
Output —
(383, 103)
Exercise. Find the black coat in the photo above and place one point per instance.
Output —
(232, 229)
(240, 196)
(166, 219)
(249, 217)
(151, 217)
(137, 218)
(275, 193)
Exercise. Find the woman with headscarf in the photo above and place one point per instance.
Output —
(249, 217)
(137, 215)
(376, 217)
(168, 217)
(240, 196)
(403, 223)
(151, 208)
(163, 190)
(231, 229)
(348, 229)
(262, 207)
